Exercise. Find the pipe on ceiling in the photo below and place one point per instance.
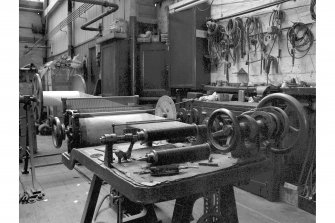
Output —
(31, 10)
(257, 8)
(114, 7)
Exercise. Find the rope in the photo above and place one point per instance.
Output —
(299, 36)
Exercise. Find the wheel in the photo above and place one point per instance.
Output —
(298, 126)
(166, 108)
(223, 130)
(182, 115)
(38, 93)
(58, 132)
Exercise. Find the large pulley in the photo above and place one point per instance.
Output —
(166, 108)
(58, 132)
(223, 130)
(38, 93)
(279, 123)
(297, 128)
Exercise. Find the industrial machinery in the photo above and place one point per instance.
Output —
(266, 183)
(53, 99)
(164, 159)
(84, 120)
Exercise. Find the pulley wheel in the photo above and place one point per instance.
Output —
(252, 125)
(58, 132)
(267, 120)
(298, 125)
(38, 93)
(182, 114)
(223, 130)
(166, 108)
(282, 119)
(213, 217)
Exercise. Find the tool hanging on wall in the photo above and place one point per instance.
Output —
(270, 62)
(274, 30)
(301, 40)
(254, 36)
(235, 32)
(218, 43)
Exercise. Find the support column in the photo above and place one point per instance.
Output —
(133, 25)
(69, 30)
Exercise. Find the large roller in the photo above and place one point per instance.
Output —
(91, 129)
(53, 98)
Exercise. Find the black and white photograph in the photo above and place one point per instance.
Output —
(166, 111)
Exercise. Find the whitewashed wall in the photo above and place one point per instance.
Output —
(26, 19)
(295, 11)
(58, 42)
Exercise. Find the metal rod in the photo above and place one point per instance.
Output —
(109, 11)
(46, 155)
(252, 9)
(145, 122)
(48, 164)
(88, 115)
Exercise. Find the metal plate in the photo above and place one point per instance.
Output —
(165, 107)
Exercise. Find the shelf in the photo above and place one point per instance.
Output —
(110, 36)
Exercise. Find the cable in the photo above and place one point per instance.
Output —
(299, 36)
(312, 9)
(99, 206)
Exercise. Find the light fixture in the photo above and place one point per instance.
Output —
(156, 2)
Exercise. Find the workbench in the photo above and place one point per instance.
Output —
(187, 186)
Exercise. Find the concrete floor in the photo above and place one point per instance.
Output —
(66, 192)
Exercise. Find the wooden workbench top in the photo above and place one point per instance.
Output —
(145, 188)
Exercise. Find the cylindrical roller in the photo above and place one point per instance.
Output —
(54, 98)
(168, 133)
(179, 155)
(91, 129)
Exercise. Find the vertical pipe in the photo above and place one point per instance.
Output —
(45, 20)
(69, 30)
(132, 25)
